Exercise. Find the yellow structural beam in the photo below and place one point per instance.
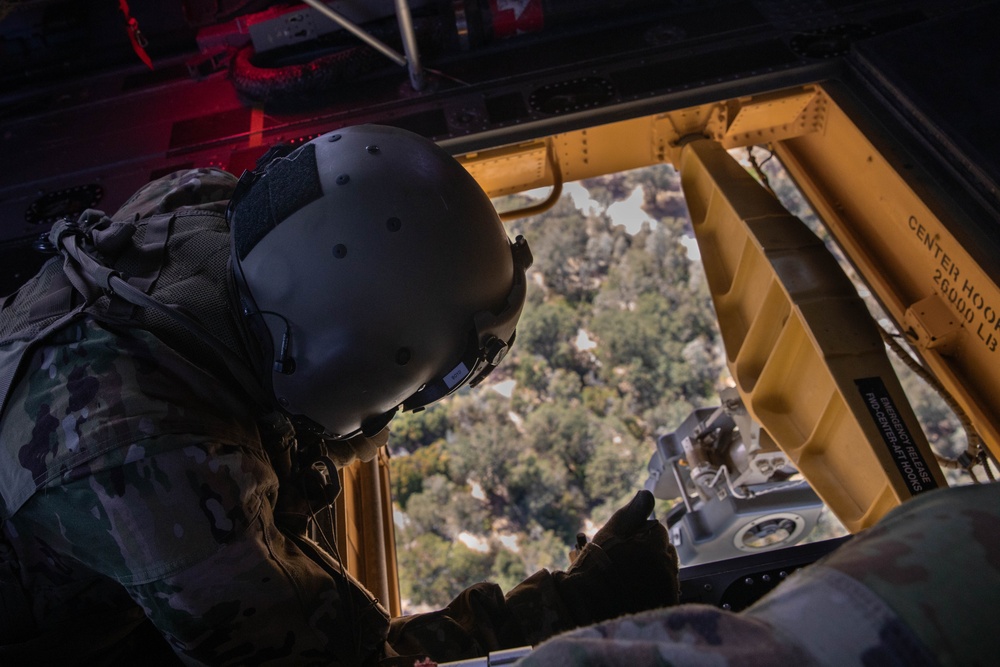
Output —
(877, 208)
(365, 531)
(801, 346)
(645, 140)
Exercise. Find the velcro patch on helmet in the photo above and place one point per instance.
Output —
(287, 185)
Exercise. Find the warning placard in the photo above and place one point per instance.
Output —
(896, 435)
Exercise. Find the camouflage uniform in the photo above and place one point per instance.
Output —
(155, 499)
(144, 516)
(920, 588)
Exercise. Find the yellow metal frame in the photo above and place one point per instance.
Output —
(365, 530)
(878, 209)
(646, 140)
(886, 228)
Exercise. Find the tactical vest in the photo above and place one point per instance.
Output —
(167, 274)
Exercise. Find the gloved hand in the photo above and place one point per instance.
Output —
(630, 566)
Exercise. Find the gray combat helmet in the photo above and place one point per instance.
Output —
(376, 275)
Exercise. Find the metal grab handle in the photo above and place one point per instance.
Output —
(550, 201)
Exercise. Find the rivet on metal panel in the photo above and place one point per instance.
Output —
(768, 112)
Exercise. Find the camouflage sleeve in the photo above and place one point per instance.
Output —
(918, 589)
(481, 619)
(189, 534)
(936, 563)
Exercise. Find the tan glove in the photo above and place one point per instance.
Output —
(630, 566)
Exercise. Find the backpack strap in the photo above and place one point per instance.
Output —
(111, 241)
(243, 376)
(65, 295)
(93, 278)
(57, 306)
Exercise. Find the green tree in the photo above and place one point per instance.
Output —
(653, 319)
(433, 570)
(616, 468)
(542, 548)
(531, 373)
(414, 430)
(548, 330)
(446, 509)
(508, 570)
(563, 386)
(539, 493)
(485, 445)
(424, 509)
(567, 433)
(559, 244)
(408, 472)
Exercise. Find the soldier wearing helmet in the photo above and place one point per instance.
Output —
(167, 380)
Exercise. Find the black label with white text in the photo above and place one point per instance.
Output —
(896, 435)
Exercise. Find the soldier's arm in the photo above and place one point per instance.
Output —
(917, 589)
(628, 567)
